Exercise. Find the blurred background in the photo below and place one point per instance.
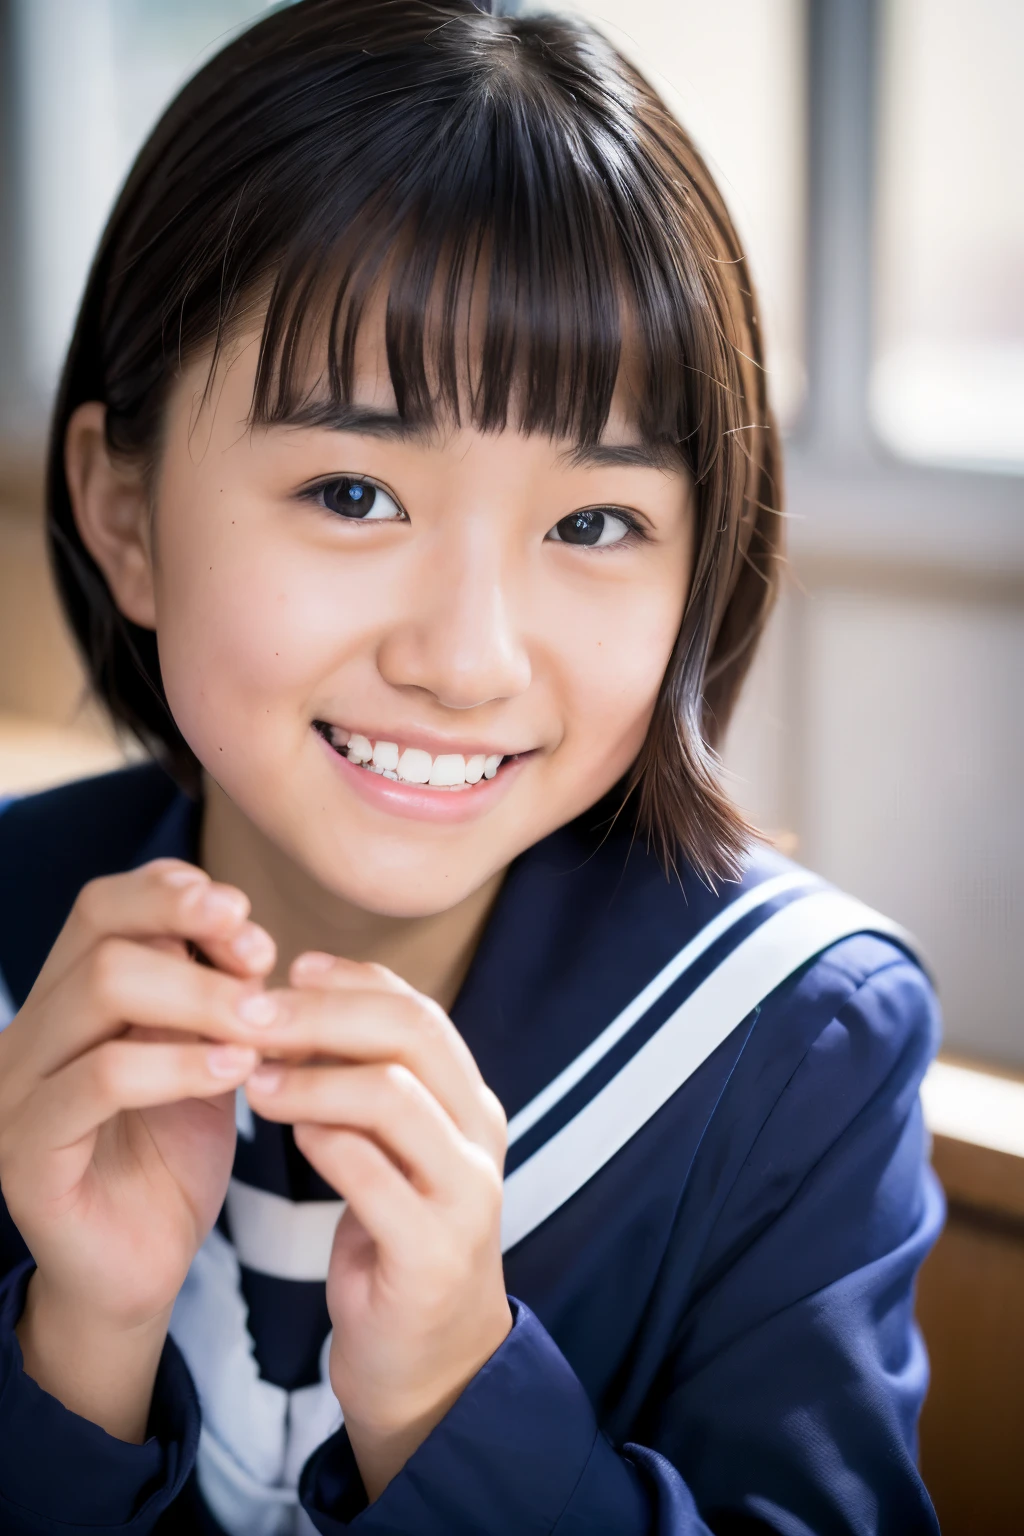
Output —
(872, 153)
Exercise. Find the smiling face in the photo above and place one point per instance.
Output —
(406, 656)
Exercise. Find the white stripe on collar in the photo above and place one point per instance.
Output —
(763, 961)
(645, 1000)
(287, 1238)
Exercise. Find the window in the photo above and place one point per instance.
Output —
(93, 76)
(948, 379)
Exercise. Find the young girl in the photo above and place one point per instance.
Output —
(414, 499)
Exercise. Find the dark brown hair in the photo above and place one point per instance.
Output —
(342, 146)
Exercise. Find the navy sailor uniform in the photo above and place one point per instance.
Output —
(712, 1226)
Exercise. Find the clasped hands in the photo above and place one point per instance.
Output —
(117, 1083)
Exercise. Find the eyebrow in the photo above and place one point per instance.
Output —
(367, 420)
(389, 426)
(624, 455)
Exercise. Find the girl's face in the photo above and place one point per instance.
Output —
(449, 601)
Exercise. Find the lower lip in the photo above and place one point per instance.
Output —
(419, 803)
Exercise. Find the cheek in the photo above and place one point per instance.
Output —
(245, 633)
(614, 668)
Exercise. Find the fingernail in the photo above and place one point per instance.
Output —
(254, 945)
(231, 1060)
(314, 963)
(258, 1008)
(223, 904)
(266, 1078)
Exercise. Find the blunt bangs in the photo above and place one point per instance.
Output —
(515, 236)
(539, 231)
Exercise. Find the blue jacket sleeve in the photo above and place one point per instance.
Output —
(788, 1393)
(61, 1474)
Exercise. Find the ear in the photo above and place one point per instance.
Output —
(112, 513)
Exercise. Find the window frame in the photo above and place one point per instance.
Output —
(852, 499)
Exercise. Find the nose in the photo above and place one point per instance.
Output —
(458, 639)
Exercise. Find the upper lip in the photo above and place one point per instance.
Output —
(429, 741)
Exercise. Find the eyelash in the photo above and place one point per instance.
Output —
(636, 531)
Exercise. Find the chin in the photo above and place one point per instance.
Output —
(422, 884)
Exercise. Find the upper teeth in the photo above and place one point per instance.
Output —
(414, 766)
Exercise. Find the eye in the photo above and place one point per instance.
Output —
(352, 497)
(593, 528)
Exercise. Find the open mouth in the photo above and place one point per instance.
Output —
(412, 765)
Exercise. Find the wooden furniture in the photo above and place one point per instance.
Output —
(971, 1303)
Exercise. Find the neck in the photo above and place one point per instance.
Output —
(431, 953)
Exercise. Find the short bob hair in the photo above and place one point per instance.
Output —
(341, 149)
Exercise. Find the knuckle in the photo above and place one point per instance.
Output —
(395, 1079)
(406, 1007)
(182, 899)
(91, 902)
(174, 878)
(108, 1072)
(106, 970)
(430, 1020)
(495, 1116)
(159, 869)
(385, 977)
(305, 1134)
(488, 1186)
(406, 1018)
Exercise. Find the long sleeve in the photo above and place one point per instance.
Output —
(787, 1395)
(61, 1474)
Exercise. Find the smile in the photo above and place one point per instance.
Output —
(411, 765)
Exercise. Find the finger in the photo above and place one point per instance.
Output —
(121, 983)
(315, 968)
(399, 1025)
(384, 1101)
(166, 898)
(122, 1075)
(380, 1198)
(168, 946)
